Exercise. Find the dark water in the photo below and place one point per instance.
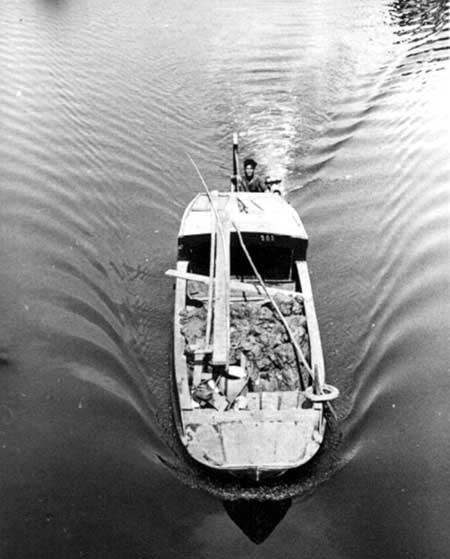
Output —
(99, 103)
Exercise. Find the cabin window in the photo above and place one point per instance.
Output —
(198, 257)
(272, 262)
(273, 256)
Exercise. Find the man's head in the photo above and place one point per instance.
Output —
(249, 168)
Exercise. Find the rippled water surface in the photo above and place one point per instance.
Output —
(100, 101)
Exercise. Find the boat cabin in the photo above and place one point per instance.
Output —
(271, 229)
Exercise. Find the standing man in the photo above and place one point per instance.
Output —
(249, 182)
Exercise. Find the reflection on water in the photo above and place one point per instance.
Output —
(99, 103)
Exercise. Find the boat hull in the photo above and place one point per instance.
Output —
(254, 443)
(276, 430)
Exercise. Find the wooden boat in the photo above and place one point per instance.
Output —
(248, 363)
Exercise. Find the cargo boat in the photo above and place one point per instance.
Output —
(250, 391)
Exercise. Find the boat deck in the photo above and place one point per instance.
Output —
(250, 439)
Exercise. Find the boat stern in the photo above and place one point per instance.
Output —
(252, 444)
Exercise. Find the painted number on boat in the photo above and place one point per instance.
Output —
(267, 238)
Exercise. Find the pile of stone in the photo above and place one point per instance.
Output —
(258, 336)
(193, 325)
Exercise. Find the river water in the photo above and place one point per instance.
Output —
(100, 103)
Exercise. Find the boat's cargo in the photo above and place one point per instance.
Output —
(257, 333)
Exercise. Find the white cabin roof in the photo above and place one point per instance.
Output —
(252, 212)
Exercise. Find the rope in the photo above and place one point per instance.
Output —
(300, 354)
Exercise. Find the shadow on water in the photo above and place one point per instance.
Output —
(257, 519)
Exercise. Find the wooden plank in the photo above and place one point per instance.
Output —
(311, 319)
(252, 288)
(205, 445)
(235, 443)
(253, 400)
(198, 367)
(251, 445)
(234, 298)
(265, 443)
(288, 400)
(291, 443)
(209, 415)
(181, 374)
(269, 400)
(221, 324)
(267, 433)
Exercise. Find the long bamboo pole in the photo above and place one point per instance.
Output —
(212, 257)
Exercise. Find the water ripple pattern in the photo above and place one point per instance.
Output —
(100, 103)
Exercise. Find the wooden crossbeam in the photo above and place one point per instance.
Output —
(221, 324)
(252, 288)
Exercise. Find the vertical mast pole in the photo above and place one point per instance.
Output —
(234, 181)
